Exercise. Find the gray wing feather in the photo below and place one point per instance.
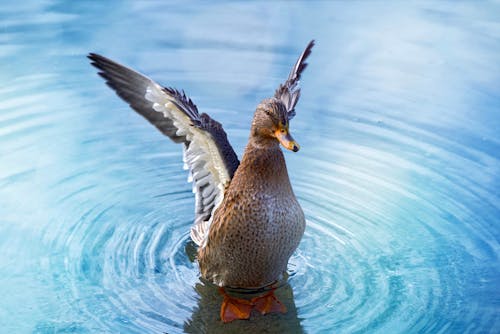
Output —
(289, 92)
(208, 154)
(131, 87)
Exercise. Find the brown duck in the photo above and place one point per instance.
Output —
(247, 219)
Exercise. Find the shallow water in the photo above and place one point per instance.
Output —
(398, 174)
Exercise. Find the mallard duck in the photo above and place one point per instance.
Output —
(247, 220)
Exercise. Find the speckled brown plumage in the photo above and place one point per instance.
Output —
(259, 223)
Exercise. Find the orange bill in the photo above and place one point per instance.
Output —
(286, 139)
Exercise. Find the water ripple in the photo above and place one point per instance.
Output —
(397, 175)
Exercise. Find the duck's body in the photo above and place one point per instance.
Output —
(258, 225)
(248, 221)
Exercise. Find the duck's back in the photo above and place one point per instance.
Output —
(258, 225)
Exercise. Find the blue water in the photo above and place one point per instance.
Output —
(398, 174)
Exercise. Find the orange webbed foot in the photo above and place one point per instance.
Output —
(234, 308)
(268, 303)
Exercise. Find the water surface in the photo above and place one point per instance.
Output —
(398, 172)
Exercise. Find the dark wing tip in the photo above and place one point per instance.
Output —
(301, 63)
(308, 49)
(310, 45)
(97, 59)
(289, 92)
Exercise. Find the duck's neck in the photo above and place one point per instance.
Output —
(265, 165)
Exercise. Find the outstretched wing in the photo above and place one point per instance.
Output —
(207, 152)
(289, 92)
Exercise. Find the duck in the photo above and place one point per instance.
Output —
(247, 221)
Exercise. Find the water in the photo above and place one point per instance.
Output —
(398, 173)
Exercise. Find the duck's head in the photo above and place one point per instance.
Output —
(270, 125)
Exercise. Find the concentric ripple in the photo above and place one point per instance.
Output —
(393, 243)
(398, 172)
(125, 262)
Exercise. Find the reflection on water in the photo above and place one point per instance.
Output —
(206, 319)
(398, 174)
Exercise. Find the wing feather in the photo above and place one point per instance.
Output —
(208, 155)
(289, 91)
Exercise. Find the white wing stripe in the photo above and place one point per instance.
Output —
(208, 156)
(201, 157)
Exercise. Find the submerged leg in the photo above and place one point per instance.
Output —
(268, 303)
(234, 308)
